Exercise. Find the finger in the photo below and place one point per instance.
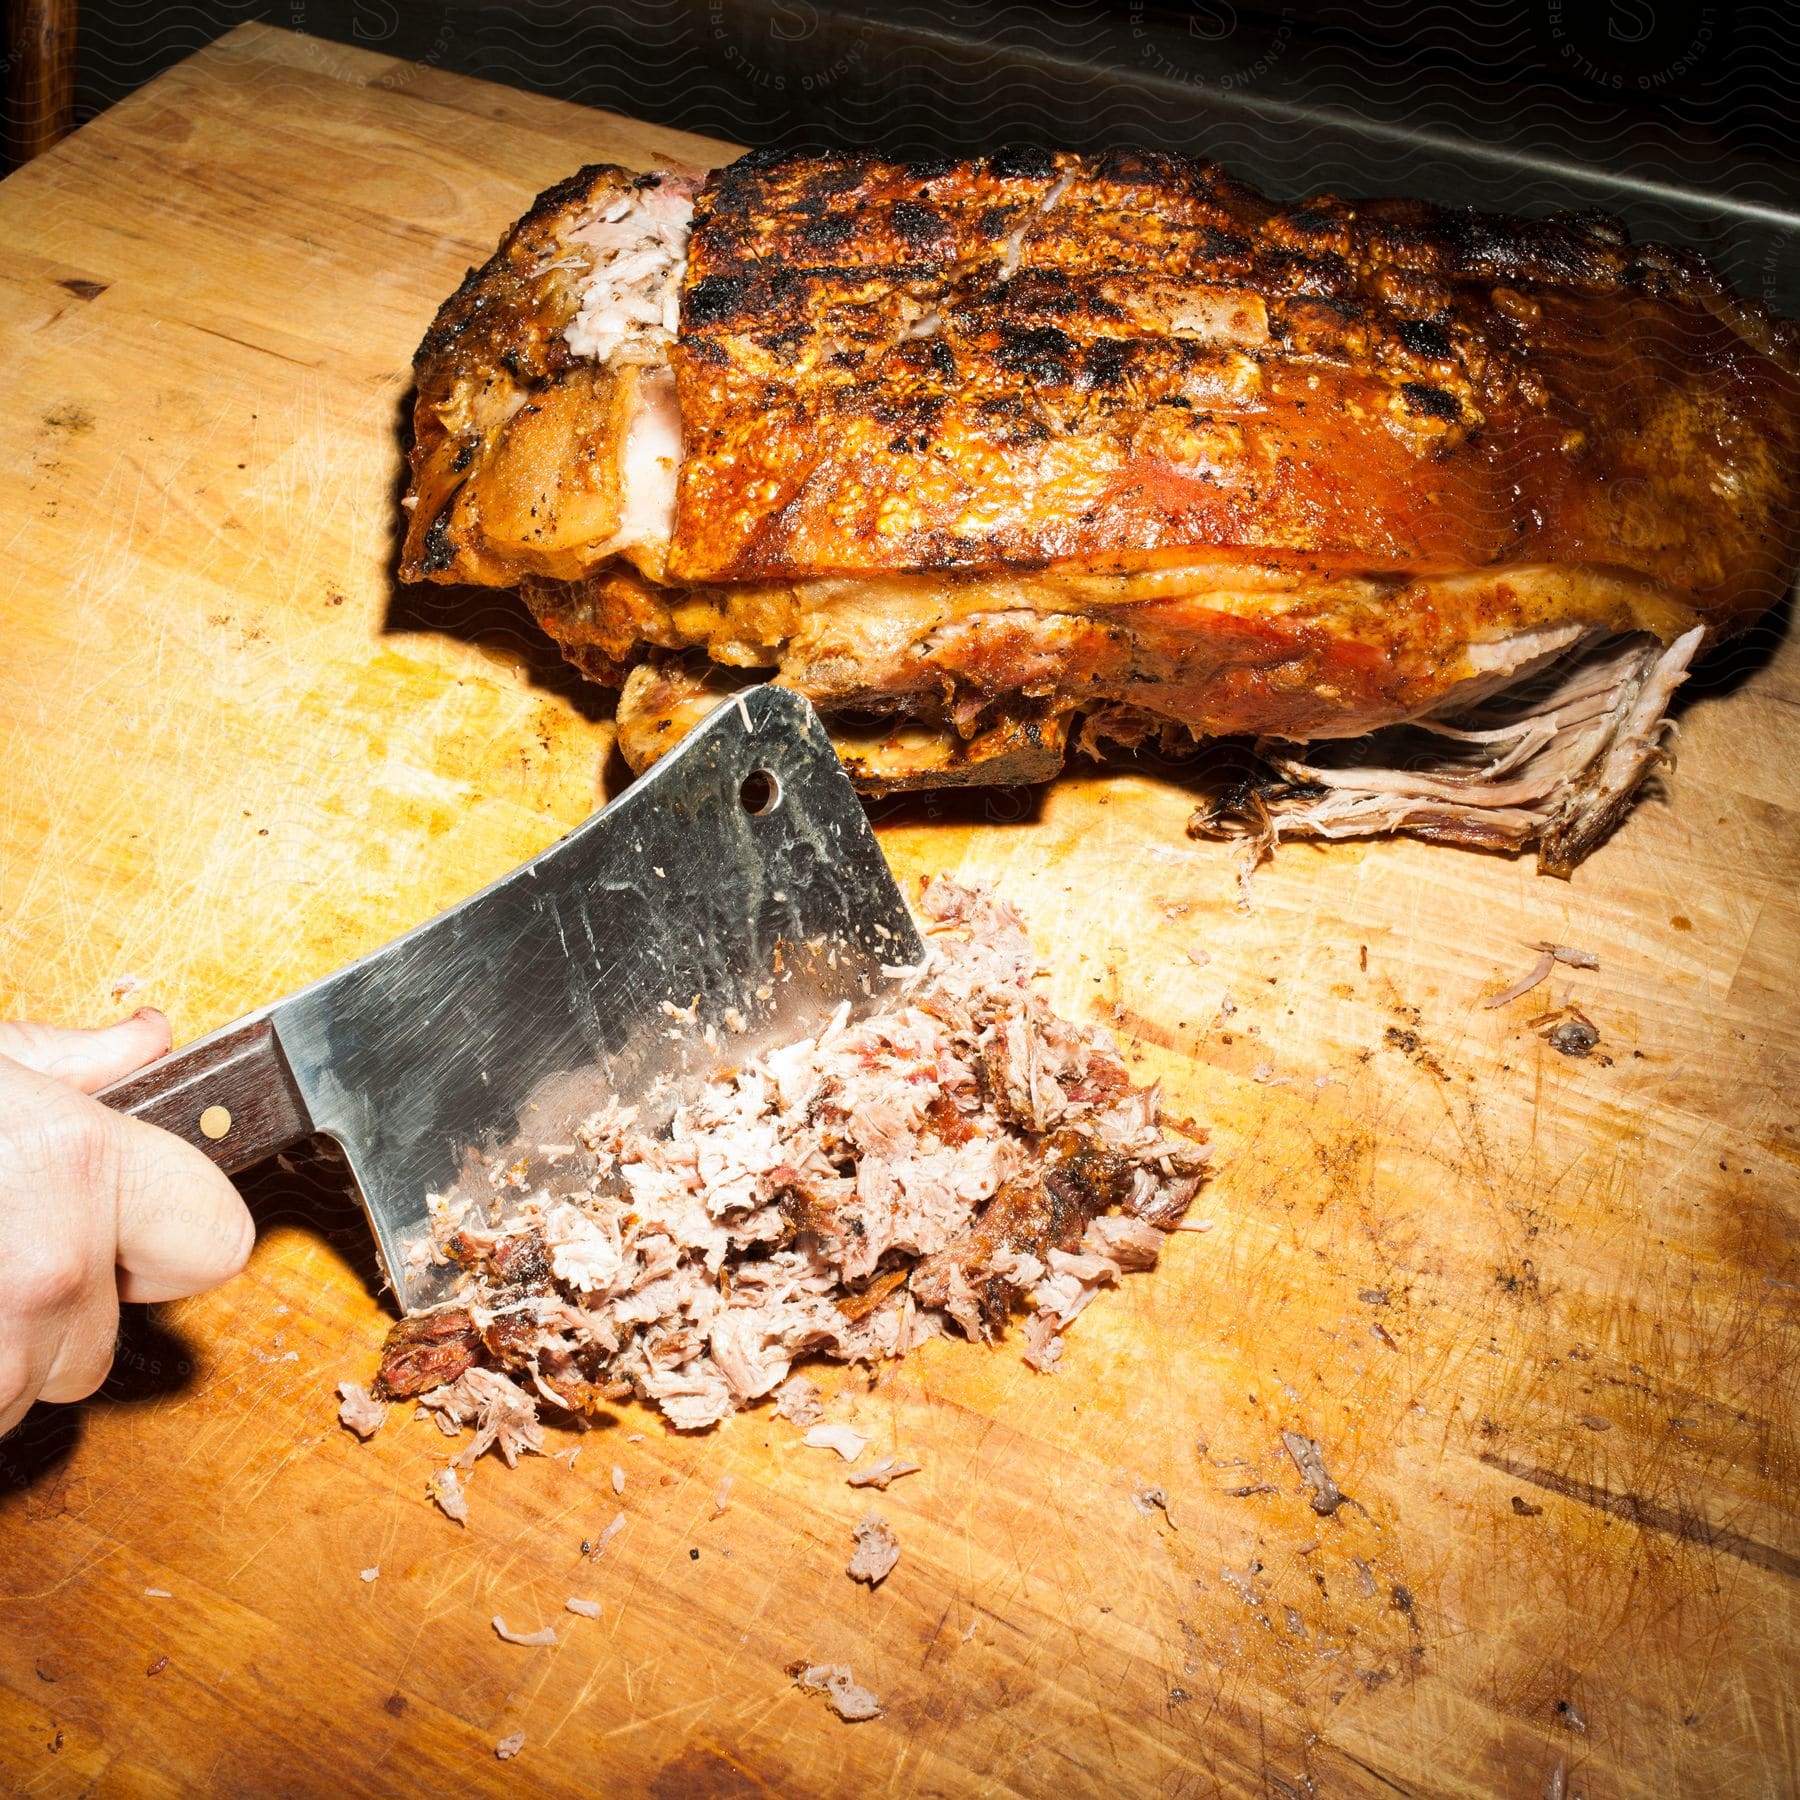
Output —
(88, 1059)
(88, 1336)
(57, 1296)
(183, 1228)
(21, 1375)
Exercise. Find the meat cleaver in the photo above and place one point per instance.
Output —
(732, 897)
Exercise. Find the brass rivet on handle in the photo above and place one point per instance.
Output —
(215, 1122)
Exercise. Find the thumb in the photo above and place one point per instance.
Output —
(88, 1059)
(183, 1228)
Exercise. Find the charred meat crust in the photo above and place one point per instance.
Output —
(495, 350)
(482, 299)
(427, 1351)
(1046, 1208)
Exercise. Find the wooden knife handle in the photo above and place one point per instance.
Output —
(229, 1095)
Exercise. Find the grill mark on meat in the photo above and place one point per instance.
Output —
(1430, 402)
(1377, 300)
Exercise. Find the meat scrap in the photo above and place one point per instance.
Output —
(1538, 972)
(1575, 959)
(797, 1400)
(955, 1157)
(543, 1636)
(510, 1746)
(888, 1470)
(1327, 1496)
(606, 1537)
(1549, 955)
(358, 1412)
(842, 1694)
(877, 1550)
(426, 1350)
(445, 1487)
(1043, 1343)
(848, 1442)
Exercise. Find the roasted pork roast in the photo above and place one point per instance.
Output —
(991, 459)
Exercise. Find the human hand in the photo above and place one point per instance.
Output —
(95, 1208)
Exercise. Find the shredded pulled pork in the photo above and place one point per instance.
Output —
(1551, 758)
(502, 1415)
(953, 1156)
(797, 1401)
(631, 298)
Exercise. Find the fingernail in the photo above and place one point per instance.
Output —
(153, 1013)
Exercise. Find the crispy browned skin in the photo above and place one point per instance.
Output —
(1376, 386)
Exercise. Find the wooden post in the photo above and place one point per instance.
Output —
(40, 76)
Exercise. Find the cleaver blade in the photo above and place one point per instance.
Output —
(732, 898)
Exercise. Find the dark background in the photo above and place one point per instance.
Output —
(1681, 118)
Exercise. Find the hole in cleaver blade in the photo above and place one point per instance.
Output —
(733, 897)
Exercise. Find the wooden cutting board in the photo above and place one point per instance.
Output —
(1540, 1314)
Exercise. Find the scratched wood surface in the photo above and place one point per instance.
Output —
(1540, 1314)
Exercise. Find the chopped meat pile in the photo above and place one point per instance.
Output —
(950, 1159)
